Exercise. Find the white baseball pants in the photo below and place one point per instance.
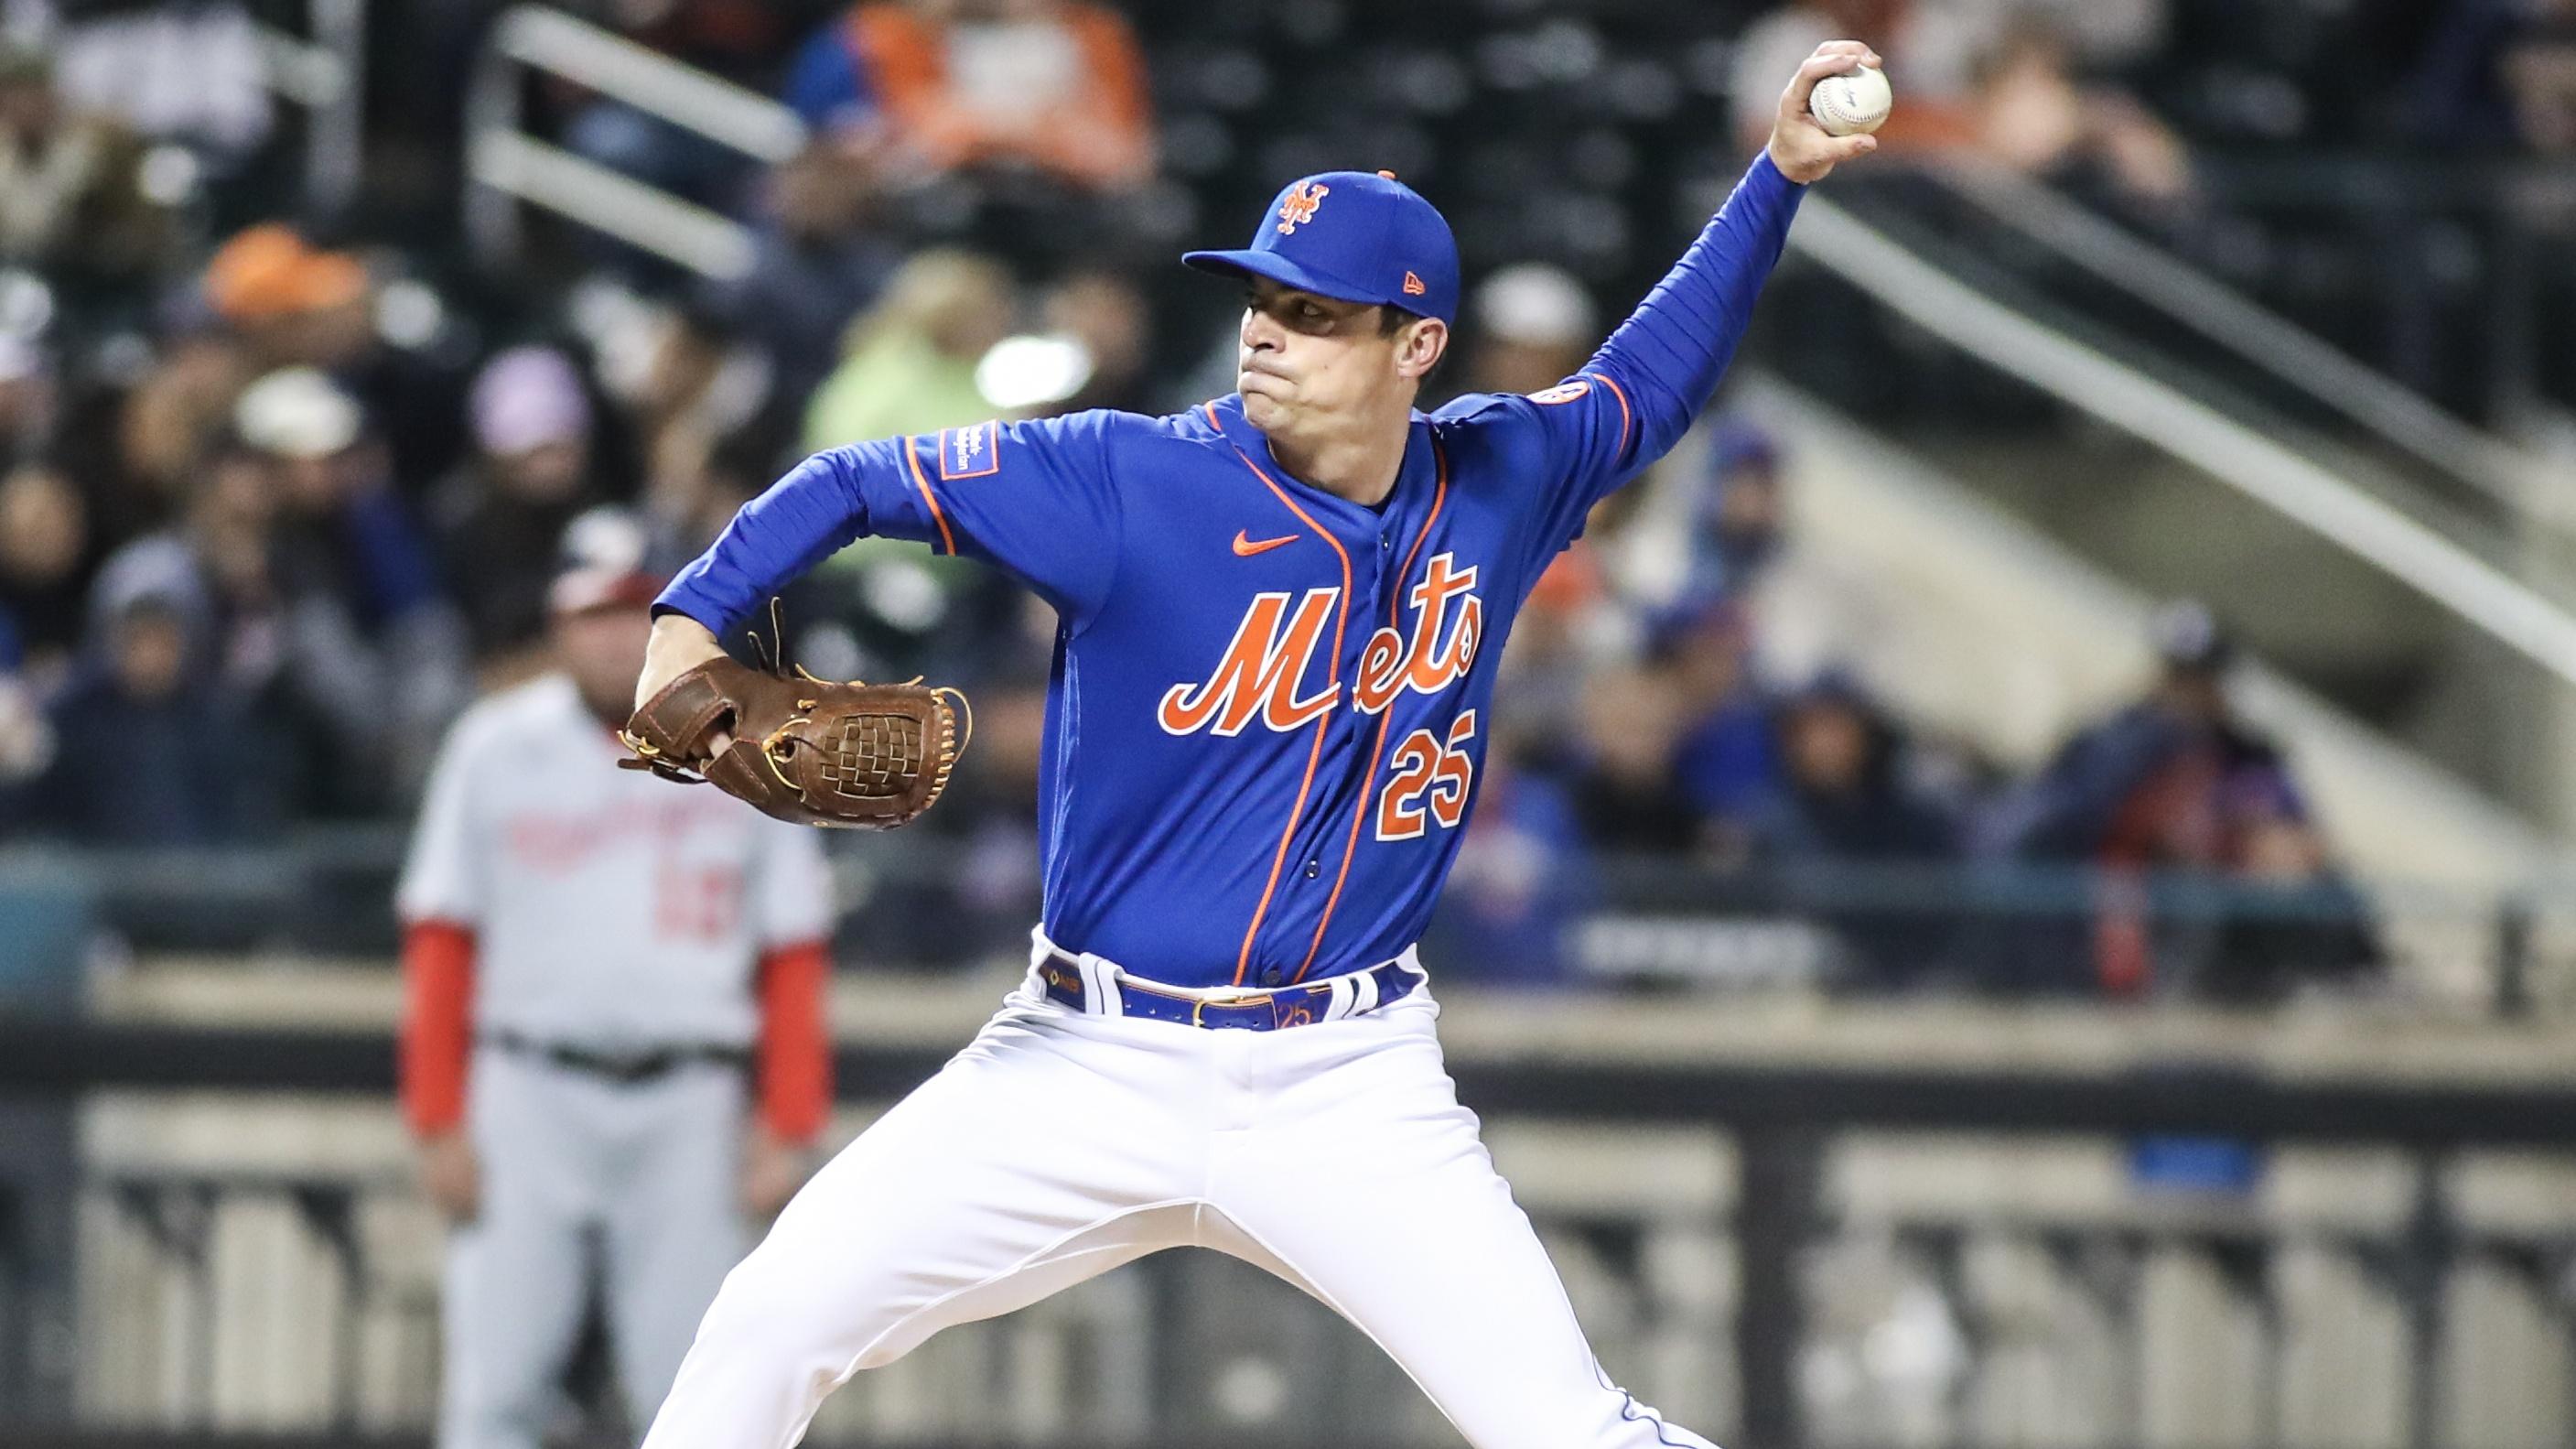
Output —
(637, 1182)
(1060, 1145)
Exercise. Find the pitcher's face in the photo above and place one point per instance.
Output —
(1304, 360)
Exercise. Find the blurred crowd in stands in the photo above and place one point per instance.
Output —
(280, 492)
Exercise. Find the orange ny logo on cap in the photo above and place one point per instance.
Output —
(1300, 206)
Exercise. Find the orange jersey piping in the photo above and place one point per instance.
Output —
(948, 541)
(1377, 751)
(1314, 752)
(1626, 421)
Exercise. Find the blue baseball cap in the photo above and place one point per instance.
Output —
(1354, 236)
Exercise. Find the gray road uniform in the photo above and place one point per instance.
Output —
(614, 932)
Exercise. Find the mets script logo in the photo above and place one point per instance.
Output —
(1299, 208)
(1261, 670)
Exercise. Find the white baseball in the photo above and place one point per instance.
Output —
(1853, 102)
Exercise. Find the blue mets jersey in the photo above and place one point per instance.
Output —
(1269, 705)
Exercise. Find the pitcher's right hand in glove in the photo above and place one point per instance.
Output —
(805, 750)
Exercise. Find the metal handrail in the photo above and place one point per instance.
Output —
(2389, 410)
(326, 75)
(505, 165)
(609, 63)
(2156, 413)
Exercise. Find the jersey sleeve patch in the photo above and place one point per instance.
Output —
(1563, 392)
(970, 452)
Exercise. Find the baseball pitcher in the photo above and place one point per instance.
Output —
(1281, 614)
(596, 964)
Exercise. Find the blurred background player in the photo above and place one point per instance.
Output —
(614, 1049)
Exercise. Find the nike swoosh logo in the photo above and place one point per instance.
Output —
(1244, 547)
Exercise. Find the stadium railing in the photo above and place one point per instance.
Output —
(2494, 232)
(2429, 560)
(507, 165)
(1995, 929)
(326, 73)
(1717, 1182)
(2290, 355)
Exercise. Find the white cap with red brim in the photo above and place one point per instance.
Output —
(581, 590)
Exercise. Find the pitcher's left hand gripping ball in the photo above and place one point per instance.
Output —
(804, 750)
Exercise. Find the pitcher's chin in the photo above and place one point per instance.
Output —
(1262, 410)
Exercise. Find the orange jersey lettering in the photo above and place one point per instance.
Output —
(1259, 672)
(1439, 654)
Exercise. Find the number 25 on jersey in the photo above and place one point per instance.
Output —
(1430, 782)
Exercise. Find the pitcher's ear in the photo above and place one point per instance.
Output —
(1419, 350)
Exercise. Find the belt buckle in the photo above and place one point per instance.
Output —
(1200, 1004)
(1299, 1013)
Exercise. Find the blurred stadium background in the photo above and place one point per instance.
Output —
(2029, 899)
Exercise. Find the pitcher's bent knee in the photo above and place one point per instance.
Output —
(781, 1307)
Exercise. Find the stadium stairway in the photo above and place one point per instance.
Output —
(1973, 626)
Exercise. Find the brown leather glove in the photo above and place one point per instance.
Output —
(805, 750)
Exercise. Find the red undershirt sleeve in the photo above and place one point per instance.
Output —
(795, 1056)
(437, 1028)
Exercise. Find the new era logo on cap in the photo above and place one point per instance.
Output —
(1375, 241)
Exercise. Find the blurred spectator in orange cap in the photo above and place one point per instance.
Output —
(290, 304)
(293, 302)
